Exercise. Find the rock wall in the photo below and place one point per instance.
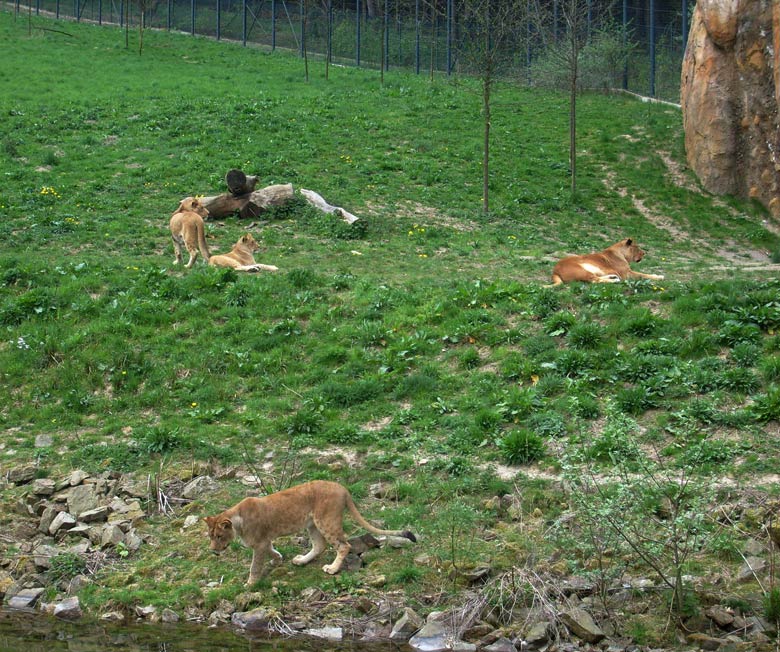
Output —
(730, 96)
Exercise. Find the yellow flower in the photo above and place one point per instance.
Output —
(194, 404)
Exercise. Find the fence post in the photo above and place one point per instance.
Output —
(243, 23)
(273, 25)
(302, 18)
(417, 37)
(684, 25)
(449, 37)
(625, 44)
(219, 19)
(192, 17)
(386, 36)
(652, 48)
(357, 33)
(170, 14)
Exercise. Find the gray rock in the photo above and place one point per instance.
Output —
(581, 624)
(720, 615)
(128, 486)
(406, 626)
(62, 521)
(21, 474)
(256, 619)
(47, 517)
(170, 616)
(397, 542)
(753, 566)
(43, 487)
(111, 536)
(77, 583)
(82, 498)
(112, 617)
(43, 554)
(326, 633)
(25, 599)
(68, 609)
(133, 541)
(43, 441)
(96, 515)
(538, 635)
(146, 612)
(198, 487)
(77, 477)
(433, 637)
(501, 645)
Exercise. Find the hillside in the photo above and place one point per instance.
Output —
(590, 445)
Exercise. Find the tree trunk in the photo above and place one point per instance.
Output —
(249, 204)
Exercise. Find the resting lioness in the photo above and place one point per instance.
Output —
(187, 229)
(608, 266)
(318, 506)
(241, 256)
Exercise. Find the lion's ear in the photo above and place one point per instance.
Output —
(628, 241)
(227, 524)
(209, 520)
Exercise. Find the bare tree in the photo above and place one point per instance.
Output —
(565, 28)
(491, 27)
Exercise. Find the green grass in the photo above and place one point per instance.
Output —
(424, 342)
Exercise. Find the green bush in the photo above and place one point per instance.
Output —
(521, 446)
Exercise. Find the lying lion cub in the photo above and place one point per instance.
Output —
(608, 266)
(318, 506)
(187, 230)
(241, 257)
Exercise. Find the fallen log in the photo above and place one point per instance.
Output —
(249, 204)
(318, 201)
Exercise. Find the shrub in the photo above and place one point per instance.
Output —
(522, 446)
(306, 421)
(766, 407)
(733, 333)
(548, 424)
(770, 368)
(559, 323)
(739, 380)
(586, 335)
(65, 566)
(160, 440)
(487, 419)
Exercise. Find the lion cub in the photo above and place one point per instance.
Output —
(241, 257)
(317, 506)
(187, 230)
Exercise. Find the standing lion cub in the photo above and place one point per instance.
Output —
(187, 230)
(241, 257)
(317, 506)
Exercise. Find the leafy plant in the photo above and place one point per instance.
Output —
(522, 446)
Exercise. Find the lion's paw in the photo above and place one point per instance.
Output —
(330, 569)
(299, 560)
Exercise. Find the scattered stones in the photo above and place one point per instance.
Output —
(62, 521)
(169, 616)
(43, 487)
(198, 487)
(326, 633)
(43, 441)
(82, 498)
(256, 619)
(502, 644)
(406, 625)
(77, 477)
(21, 474)
(25, 599)
(190, 521)
(68, 609)
(582, 625)
(433, 637)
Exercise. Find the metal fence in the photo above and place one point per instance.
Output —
(421, 35)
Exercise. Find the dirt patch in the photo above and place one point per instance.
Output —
(427, 215)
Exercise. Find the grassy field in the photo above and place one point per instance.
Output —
(419, 349)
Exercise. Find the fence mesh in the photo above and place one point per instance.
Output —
(421, 35)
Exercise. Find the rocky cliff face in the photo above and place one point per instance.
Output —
(730, 96)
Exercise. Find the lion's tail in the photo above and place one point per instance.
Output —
(202, 244)
(358, 517)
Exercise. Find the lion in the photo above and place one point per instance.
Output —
(317, 506)
(187, 230)
(241, 257)
(608, 266)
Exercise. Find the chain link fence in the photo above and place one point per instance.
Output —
(635, 45)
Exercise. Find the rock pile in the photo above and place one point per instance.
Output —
(66, 525)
